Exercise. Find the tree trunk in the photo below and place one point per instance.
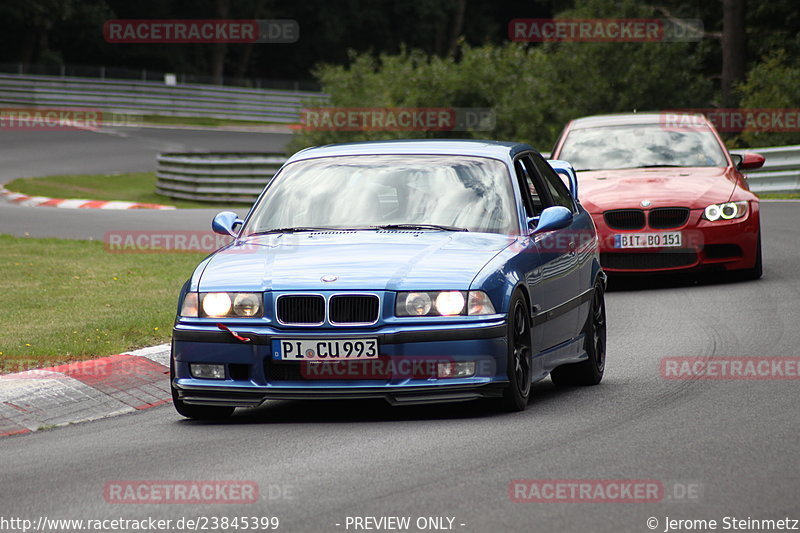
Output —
(733, 49)
(244, 61)
(457, 27)
(220, 49)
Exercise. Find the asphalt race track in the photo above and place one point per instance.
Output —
(37, 153)
(720, 448)
(131, 149)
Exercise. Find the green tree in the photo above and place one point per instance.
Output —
(533, 89)
(773, 83)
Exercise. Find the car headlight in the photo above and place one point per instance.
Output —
(229, 304)
(726, 211)
(415, 304)
(246, 304)
(443, 303)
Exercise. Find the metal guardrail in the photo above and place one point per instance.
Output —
(216, 177)
(153, 98)
(780, 173)
(240, 177)
(112, 72)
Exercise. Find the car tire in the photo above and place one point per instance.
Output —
(758, 269)
(590, 371)
(516, 395)
(196, 412)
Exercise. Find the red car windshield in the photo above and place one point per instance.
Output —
(641, 146)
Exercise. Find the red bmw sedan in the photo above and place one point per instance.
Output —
(665, 194)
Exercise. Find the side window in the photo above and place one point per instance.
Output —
(558, 191)
(531, 192)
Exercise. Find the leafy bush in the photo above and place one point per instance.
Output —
(773, 83)
(532, 89)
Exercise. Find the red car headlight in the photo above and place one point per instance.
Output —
(726, 211)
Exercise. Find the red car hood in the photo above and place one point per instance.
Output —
(693, 187)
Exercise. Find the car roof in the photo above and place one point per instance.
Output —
(463, 147)
(624, 119)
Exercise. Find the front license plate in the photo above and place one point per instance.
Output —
(324, 349)
(670, 239)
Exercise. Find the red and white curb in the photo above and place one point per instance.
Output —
(84, 390)
(43, 201)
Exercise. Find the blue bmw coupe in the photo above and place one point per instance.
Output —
(413, 271)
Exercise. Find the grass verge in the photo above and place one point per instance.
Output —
(129, 187)
(66, 300)
(204, 121)
(779, 196)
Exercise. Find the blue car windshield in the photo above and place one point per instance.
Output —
(645, 145)
(364, 191)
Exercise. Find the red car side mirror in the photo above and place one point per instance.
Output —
(751, 161)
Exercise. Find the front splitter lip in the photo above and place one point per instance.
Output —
(702, 263)
(698, 267)
(405, 395)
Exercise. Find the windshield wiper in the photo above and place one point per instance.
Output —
(297, 229)
(629, 168)
(420, 226)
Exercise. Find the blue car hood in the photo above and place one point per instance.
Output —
(362, 260)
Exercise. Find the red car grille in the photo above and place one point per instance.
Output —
(668, 217)
(624, 218)
(658, 218)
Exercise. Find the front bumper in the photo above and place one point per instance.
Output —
(402, 375)
(725, 245)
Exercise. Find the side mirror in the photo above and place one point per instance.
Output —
(566, 169)
(225, 223)
(751, 161)
(553, 218)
